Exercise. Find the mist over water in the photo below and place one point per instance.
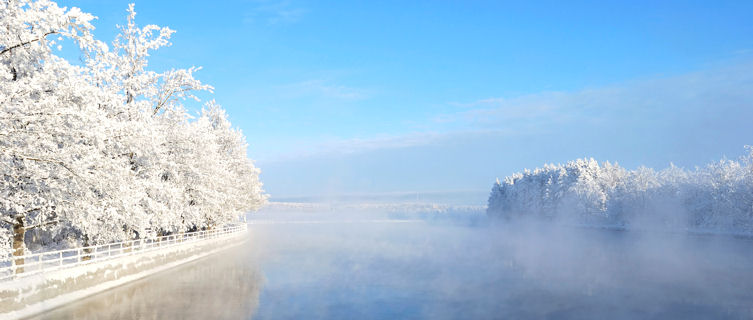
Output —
(457, 197)
(362, 265)
(531, 271)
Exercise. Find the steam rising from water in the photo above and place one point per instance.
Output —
(368, 266)
(528, 270)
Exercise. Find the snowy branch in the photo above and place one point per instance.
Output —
(8, 49)
(105, 150)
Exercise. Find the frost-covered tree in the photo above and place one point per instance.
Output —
(46, 145)
(718, 197)
(106, 150)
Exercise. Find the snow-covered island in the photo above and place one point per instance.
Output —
(717, 198)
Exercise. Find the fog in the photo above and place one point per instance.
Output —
(451, 270)
(309, 263)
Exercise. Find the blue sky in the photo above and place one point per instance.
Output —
(402, 96)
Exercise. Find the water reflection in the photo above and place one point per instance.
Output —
(223, 286)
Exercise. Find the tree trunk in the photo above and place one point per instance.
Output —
(87, 251)
(126, 247)
(19, 232)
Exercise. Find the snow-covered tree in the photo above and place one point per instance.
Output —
(718, 197)
(106, 150)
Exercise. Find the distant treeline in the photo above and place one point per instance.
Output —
(714, 198)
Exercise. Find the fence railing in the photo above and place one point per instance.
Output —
(14, 267)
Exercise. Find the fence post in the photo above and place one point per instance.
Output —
(86, 250)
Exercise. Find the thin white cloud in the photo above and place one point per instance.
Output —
(710, 98)
(342, 147)
(325, 89)
(356, 145)
(274, 12)
(677, 97)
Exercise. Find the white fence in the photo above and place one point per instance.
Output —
(13, 267)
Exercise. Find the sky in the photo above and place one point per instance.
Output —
(360, 97)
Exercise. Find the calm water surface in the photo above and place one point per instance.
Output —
(417, 270)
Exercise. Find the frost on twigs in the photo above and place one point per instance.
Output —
(106, 151)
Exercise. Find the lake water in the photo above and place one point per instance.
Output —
(405, 269)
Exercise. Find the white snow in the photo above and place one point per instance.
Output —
(105, 150)
(717, 198)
